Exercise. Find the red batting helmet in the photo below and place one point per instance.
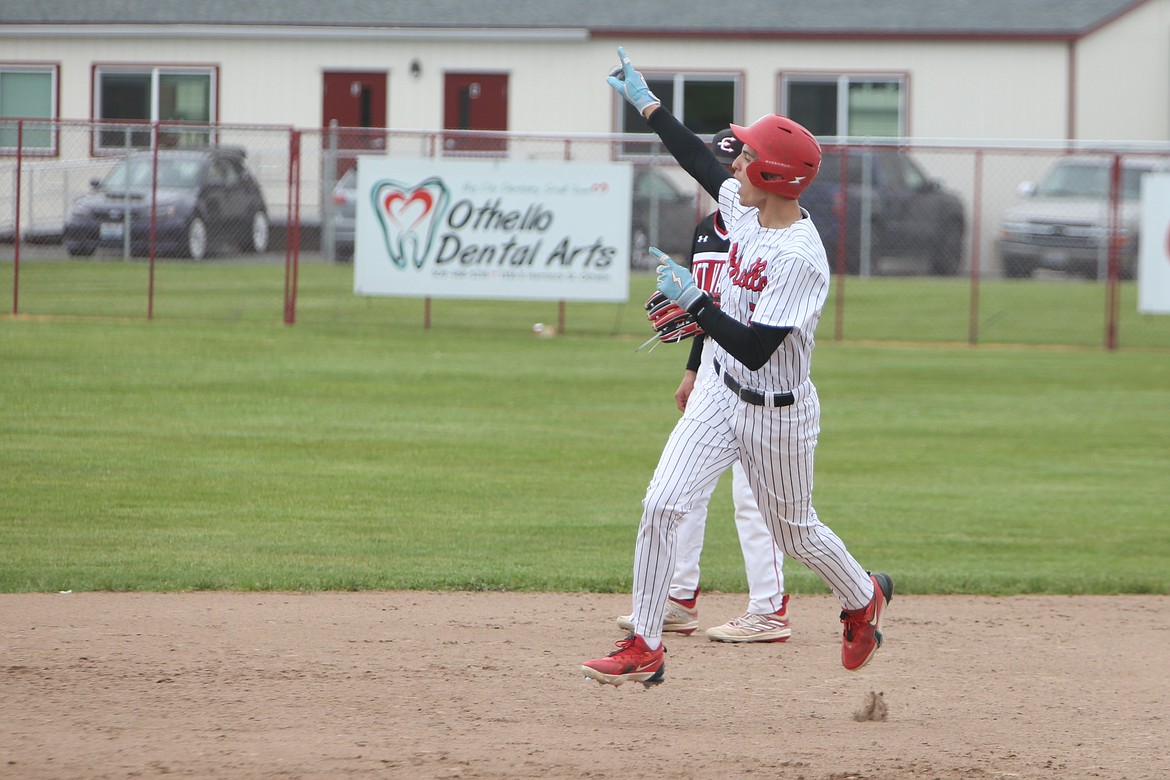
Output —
(789, 156)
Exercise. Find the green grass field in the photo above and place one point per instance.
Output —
(216, 448)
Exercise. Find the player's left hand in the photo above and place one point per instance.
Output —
(671, 322)
(674, 281)
(630, 85)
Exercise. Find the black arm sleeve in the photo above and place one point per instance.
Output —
(695, 156)
(696, 355)
(751, 344)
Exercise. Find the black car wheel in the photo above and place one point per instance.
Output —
(196, 239)
(257, 241)
(948, 251)
(80, 250)
(1017, 268)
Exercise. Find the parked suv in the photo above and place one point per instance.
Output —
(207, 199)
(911, 215)
(1063, 222)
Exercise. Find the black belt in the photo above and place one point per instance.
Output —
(751, 396)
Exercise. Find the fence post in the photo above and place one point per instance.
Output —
(1112, 288)
(841, 211)
(153, 217)
(328, 181)
(16, 231)
(865, 258)
(127, 249)
(434, 152)
(292, 232)
(976, 247)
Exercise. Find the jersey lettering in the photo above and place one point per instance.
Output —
(750, 277)
(706, 273)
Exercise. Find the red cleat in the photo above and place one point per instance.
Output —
(862, 635)
(633, 661)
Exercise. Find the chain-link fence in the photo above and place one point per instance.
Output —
(930, 241)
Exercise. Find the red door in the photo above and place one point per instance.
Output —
(475, 101)
(356, 101)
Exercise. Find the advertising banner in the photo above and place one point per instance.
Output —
(492, 229)
(1154, 242)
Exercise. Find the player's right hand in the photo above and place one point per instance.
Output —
(630, 85)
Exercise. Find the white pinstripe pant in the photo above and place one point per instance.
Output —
(763, 561)
(776, 448)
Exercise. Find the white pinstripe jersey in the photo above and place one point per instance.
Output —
(774, 277)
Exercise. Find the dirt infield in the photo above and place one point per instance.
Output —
(487, 685)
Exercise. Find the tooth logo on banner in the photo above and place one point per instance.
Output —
(410, 215)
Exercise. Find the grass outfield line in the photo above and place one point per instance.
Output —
(358, 450)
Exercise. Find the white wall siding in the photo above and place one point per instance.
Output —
(1123, 78)
(964, 89)
(990, 90)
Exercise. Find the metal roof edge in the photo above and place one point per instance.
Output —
(1109, 19)
(290, 32)
(845, 35)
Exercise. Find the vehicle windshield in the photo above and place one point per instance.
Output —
(135, 174)
(1088, 180)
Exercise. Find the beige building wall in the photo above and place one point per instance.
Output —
(964, 89)
(1123, 78)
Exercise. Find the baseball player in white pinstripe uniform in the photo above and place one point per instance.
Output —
(759, 405)
(766, 618)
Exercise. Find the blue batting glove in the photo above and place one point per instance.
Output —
(676, 282)
(630, 85)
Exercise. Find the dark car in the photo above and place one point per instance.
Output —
(911, 216)
(207, 200)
